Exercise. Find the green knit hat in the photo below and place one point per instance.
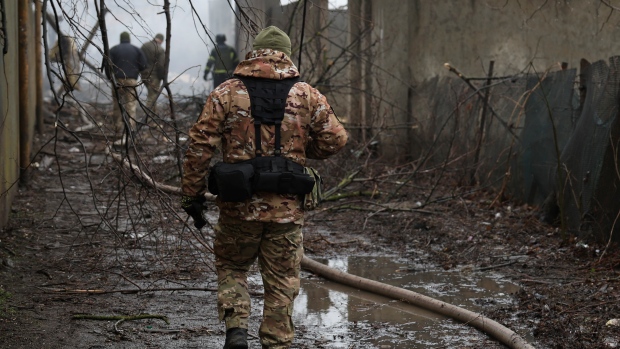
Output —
(273, 38)
(125, 37)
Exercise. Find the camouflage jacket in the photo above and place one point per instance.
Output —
(309, 130)
(155, 60)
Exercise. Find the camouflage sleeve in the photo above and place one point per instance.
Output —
(161, 63)
(327, 134)
(205, 137)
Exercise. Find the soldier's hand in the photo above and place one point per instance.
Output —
(194, 206)
(205, 75)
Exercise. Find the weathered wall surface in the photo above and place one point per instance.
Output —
(10, 136)
(414, 39)
(512, 33)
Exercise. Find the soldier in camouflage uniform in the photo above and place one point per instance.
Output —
(267, 226)
(155, 68)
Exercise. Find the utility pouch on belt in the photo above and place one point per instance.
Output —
(232, 182)
(276, 174)
(312, 200)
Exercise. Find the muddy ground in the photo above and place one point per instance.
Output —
(87, 237)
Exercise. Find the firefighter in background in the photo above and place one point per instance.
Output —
(222, 61)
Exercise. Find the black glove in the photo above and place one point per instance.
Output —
(194, 206)
(205, 75)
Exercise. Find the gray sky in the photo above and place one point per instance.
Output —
(190, 45)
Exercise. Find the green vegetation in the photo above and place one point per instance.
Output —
(5, 309)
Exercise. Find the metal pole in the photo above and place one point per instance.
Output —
(38, 51)
(23, 8)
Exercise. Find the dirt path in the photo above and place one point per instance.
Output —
(93, 241)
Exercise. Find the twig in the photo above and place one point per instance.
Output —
(479, 93)
(161, 330)
(343, 183)
(74, 245)
(339, 196)
(150, 181)
(120, 317)
(370, 215)
(116, 329)
(538, 281)
(131, 291)
(495, 266)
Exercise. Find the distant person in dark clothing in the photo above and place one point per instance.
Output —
(127, 63)
(225, 60)
(155, 68)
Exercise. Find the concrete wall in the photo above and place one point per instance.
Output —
(512, 33)
(10, 138)
(413, 39)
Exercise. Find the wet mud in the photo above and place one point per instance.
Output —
(87, 237)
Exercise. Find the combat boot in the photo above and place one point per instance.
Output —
(236, 338)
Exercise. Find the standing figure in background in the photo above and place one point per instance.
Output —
(155, 68)
(127, 63)
(66, 54)
(267, 122)
(225, 60)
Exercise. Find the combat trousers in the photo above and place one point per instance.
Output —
(127, 97)
(279, 250)
(152, 87)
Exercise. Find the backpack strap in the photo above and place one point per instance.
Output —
(267, 105)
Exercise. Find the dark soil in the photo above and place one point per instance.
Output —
(88, 237)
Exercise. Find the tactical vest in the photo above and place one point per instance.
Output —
(276, 174)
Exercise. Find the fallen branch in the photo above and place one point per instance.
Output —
(343, 183)
(131, 291)
(120, 317)
(336, 197)
(495, 266)
(149, 180)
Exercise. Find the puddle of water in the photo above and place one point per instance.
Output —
(340, 313)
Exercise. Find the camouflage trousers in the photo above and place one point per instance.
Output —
(127, 96)
(279, 250)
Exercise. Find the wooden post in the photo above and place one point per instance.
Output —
(38, 51)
